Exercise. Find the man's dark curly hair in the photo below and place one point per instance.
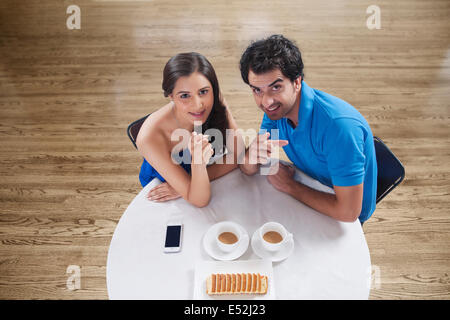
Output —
(275, 52)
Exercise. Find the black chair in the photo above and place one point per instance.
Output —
(133, 129)
(390, 170)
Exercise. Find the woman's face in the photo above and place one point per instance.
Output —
(193, 97)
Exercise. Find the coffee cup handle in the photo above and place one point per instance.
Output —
(290, 237)
(245, 237)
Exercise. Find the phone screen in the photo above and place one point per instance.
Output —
(173, 236)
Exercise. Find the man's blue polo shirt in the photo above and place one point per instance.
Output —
(332, 143)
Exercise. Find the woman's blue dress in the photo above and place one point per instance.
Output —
(148, 173)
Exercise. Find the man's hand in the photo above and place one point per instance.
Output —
(283, 180)
(260, 150)
(162, 192)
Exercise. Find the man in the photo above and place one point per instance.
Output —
(328, 139)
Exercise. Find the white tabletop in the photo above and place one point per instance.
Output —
(330, 260)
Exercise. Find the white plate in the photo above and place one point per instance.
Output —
(204, 268)
(274, 256)
(213, 250)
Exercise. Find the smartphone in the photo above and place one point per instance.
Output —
(174, 233)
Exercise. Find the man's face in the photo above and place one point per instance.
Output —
(274, 93)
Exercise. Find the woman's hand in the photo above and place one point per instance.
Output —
(162, 192)
(199, 147)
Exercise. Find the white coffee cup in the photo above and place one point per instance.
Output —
(274, 236)
(229, 236)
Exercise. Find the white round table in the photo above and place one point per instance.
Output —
(330, 260)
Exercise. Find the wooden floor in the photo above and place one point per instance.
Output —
(68, 170)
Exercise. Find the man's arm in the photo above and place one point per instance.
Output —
(259, 152)
(345, 205)
(260, 148)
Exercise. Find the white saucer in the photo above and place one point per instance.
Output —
(275, 256)
(211, 247)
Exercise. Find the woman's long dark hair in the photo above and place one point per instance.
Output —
(184, 64)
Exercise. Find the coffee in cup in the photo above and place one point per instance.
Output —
(274, 235)
(229, 236)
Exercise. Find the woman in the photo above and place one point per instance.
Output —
(189, 80)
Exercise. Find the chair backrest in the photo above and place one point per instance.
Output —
(133, 129)
(390, 170)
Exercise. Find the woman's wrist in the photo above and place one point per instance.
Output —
(198, 166)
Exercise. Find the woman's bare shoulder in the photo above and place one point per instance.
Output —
(152, 131)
